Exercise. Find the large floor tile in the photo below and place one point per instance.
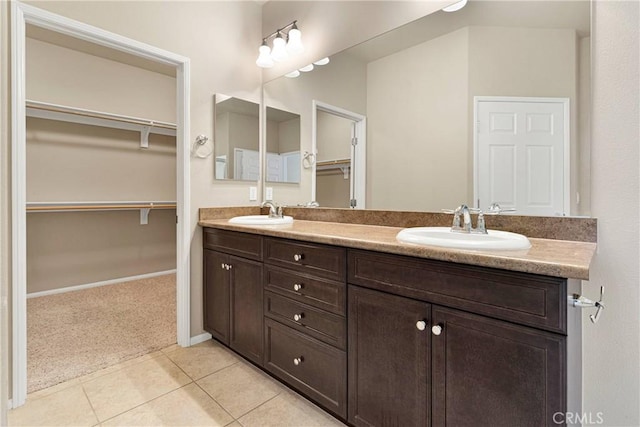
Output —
(203, 359)
(119, 391)
(67, 407)
(240, 388)
(187, 406)
(288, 409)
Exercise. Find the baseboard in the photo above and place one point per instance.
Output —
(96, 284)
(200, 338)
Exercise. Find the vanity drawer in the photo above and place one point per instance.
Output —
(317, 323)
(320, 260)
(320, 293)
(233, 242)
(523, 298)
(314, 368)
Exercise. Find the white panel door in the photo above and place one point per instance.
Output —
(274, 167)
(520, 150)
(246, 165)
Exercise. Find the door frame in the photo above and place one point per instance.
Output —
(22, 14)
(566, 141)
(360, 181)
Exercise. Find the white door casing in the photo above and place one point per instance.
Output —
(521, 154)
(21, 15)
(358, 151)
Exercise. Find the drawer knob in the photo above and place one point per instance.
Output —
(222, 265)
(298, 317)
(298, 360)
(298, 257)
(437, 329)
(421, 325)
(297, 287)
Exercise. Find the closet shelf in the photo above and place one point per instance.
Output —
(44, 110)
(333, 164)
(144, 207)
(342, 164)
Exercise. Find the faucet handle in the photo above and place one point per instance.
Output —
(448, 211)
(495, 209)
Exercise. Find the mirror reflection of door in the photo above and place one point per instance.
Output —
(333, 160)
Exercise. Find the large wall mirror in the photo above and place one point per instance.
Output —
(430, 89)
(236, 138)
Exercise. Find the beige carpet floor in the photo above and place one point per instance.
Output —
(75, 333)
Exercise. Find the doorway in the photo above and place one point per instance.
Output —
(21, 16)
(339, 149)
(521, 154)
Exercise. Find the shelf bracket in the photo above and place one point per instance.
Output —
(144, 216)
(144, 136)
(345, 171)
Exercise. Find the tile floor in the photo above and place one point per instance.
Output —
(204, 385)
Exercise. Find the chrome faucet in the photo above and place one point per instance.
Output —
(467, 227)
(275, 211)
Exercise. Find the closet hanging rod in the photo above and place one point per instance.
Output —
(96, 206)
(55, 111)
(340, 162)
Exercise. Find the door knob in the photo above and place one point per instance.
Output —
(298, 360)
(297, 287)
(437, 329)
(222, 265)
(298, 257)
(298, 317)
(421, 325)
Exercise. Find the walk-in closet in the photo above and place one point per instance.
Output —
(101, 207)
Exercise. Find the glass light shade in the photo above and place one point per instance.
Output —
(264, 58)
(293, 74)
(323, 61)
(279, 52)
(456, 6)
(294, 43)
(307, 68)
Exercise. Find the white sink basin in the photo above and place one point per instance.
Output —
(444, 237)
(260, 220)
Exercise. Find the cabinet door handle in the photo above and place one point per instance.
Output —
(437, 329)
(298, 360)
(421, 325)
(298, 317)
(297, 287)
(223, 265)
(229, 266)
(298, 257)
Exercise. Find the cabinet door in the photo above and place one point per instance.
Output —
(216, 295)
(388, 359)
(246, 308)
(494, 373)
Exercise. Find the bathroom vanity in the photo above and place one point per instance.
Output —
(383, 333)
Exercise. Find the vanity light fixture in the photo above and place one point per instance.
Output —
(281, 48)
(323, 61)
(456, 6)
(307, 68)
(293, 74)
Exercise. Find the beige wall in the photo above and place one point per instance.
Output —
(75, 248)
(583, 144)
(333, 137)
(417, 114)
(611, 362)
(332, 190)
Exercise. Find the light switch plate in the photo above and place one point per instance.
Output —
(268, 193)
(253, 194)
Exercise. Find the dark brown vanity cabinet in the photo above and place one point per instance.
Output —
(389, 340)
(233, 291)
(415, 363)
(305, 325)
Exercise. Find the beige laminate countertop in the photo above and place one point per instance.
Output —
(558, 258)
